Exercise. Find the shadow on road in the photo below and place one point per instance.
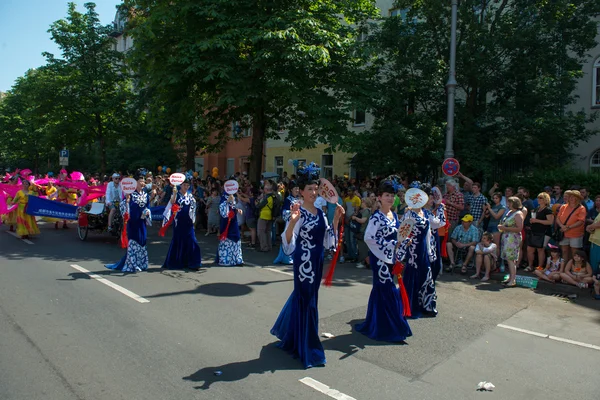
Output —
(221, 289)
(350, 343)
(270, 359)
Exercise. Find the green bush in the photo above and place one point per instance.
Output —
(566, 177)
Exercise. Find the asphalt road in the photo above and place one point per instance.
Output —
(65, 335)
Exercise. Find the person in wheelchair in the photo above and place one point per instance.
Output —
(464, 238)
(113, 197)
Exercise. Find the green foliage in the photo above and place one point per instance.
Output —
(518, 62)
(267, 62)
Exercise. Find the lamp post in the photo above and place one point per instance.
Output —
(451, 86)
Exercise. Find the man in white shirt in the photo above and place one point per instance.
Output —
(113, 194)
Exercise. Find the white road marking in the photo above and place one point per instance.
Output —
(546, 336)
(326, 390)
(17, 236)
(108, 283)
(278, 271)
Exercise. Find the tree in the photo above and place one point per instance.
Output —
(265, 63)
(518, 62)
(98, 95)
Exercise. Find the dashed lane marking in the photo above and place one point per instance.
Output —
(108, 283)
(546, 336)
(326, 390)
(17, 236)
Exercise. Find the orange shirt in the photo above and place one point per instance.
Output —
(579, 215)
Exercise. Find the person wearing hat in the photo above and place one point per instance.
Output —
(571, 220)
(113, 196)
(465, 236)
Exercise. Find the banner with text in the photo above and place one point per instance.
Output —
(157, 213)
(47, 208)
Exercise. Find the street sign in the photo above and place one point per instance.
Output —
(63, 158)
(450, 167)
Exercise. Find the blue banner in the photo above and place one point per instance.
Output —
(157, 213)
(49, 208)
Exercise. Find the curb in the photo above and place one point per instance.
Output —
(544, 286)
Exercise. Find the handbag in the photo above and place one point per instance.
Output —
(558, 235)
(536, 241)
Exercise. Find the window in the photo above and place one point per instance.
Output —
(279, 165)
(327, 166)
(359, 117)
(596, 84)
(230, 167)
(398, 12)
(238, 131)
(595, 162)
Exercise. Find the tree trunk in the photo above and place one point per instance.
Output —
(102, 143)
(190, 148)
(257, 147)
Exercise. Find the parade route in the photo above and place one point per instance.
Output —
(205, 334)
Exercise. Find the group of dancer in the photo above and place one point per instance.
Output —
(18, 187)
(184, 251)
(415, 260)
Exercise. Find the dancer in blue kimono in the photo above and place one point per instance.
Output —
(293, 198)
(136, 207)
(306, 235)
(419, 255)
(385, 314)
(184, 251)
(230, 243)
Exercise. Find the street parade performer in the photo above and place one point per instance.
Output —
(306, 236)
(230, 241)
(26, 224)
(65, 195)
(10, 218)
(184, 251)
(136, 216)
(386, 312)
(420, 253)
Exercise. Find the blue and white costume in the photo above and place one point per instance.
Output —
(298, 323)
(419, 254)
(230, 249)
(385, 320)
(136, 258)
(184, 251)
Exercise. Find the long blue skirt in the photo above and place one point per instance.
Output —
(384, 319)
(283, 258)
(184, 251)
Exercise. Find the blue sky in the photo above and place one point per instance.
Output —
(23, 32)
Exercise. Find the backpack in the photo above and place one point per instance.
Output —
(276, 210)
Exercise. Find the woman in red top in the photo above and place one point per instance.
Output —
(571, 220)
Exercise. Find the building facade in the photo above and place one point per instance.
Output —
(587, 154)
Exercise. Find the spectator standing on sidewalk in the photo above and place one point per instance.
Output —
(455, 203)
(352, 206)
(571, 219)
(477, 204)
(265, 220)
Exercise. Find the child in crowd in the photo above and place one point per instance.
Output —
(578, 271)
(555, 265)
(485, 253)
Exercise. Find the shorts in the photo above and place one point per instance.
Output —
(251, 223)
(576, 243)
(492, 229)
